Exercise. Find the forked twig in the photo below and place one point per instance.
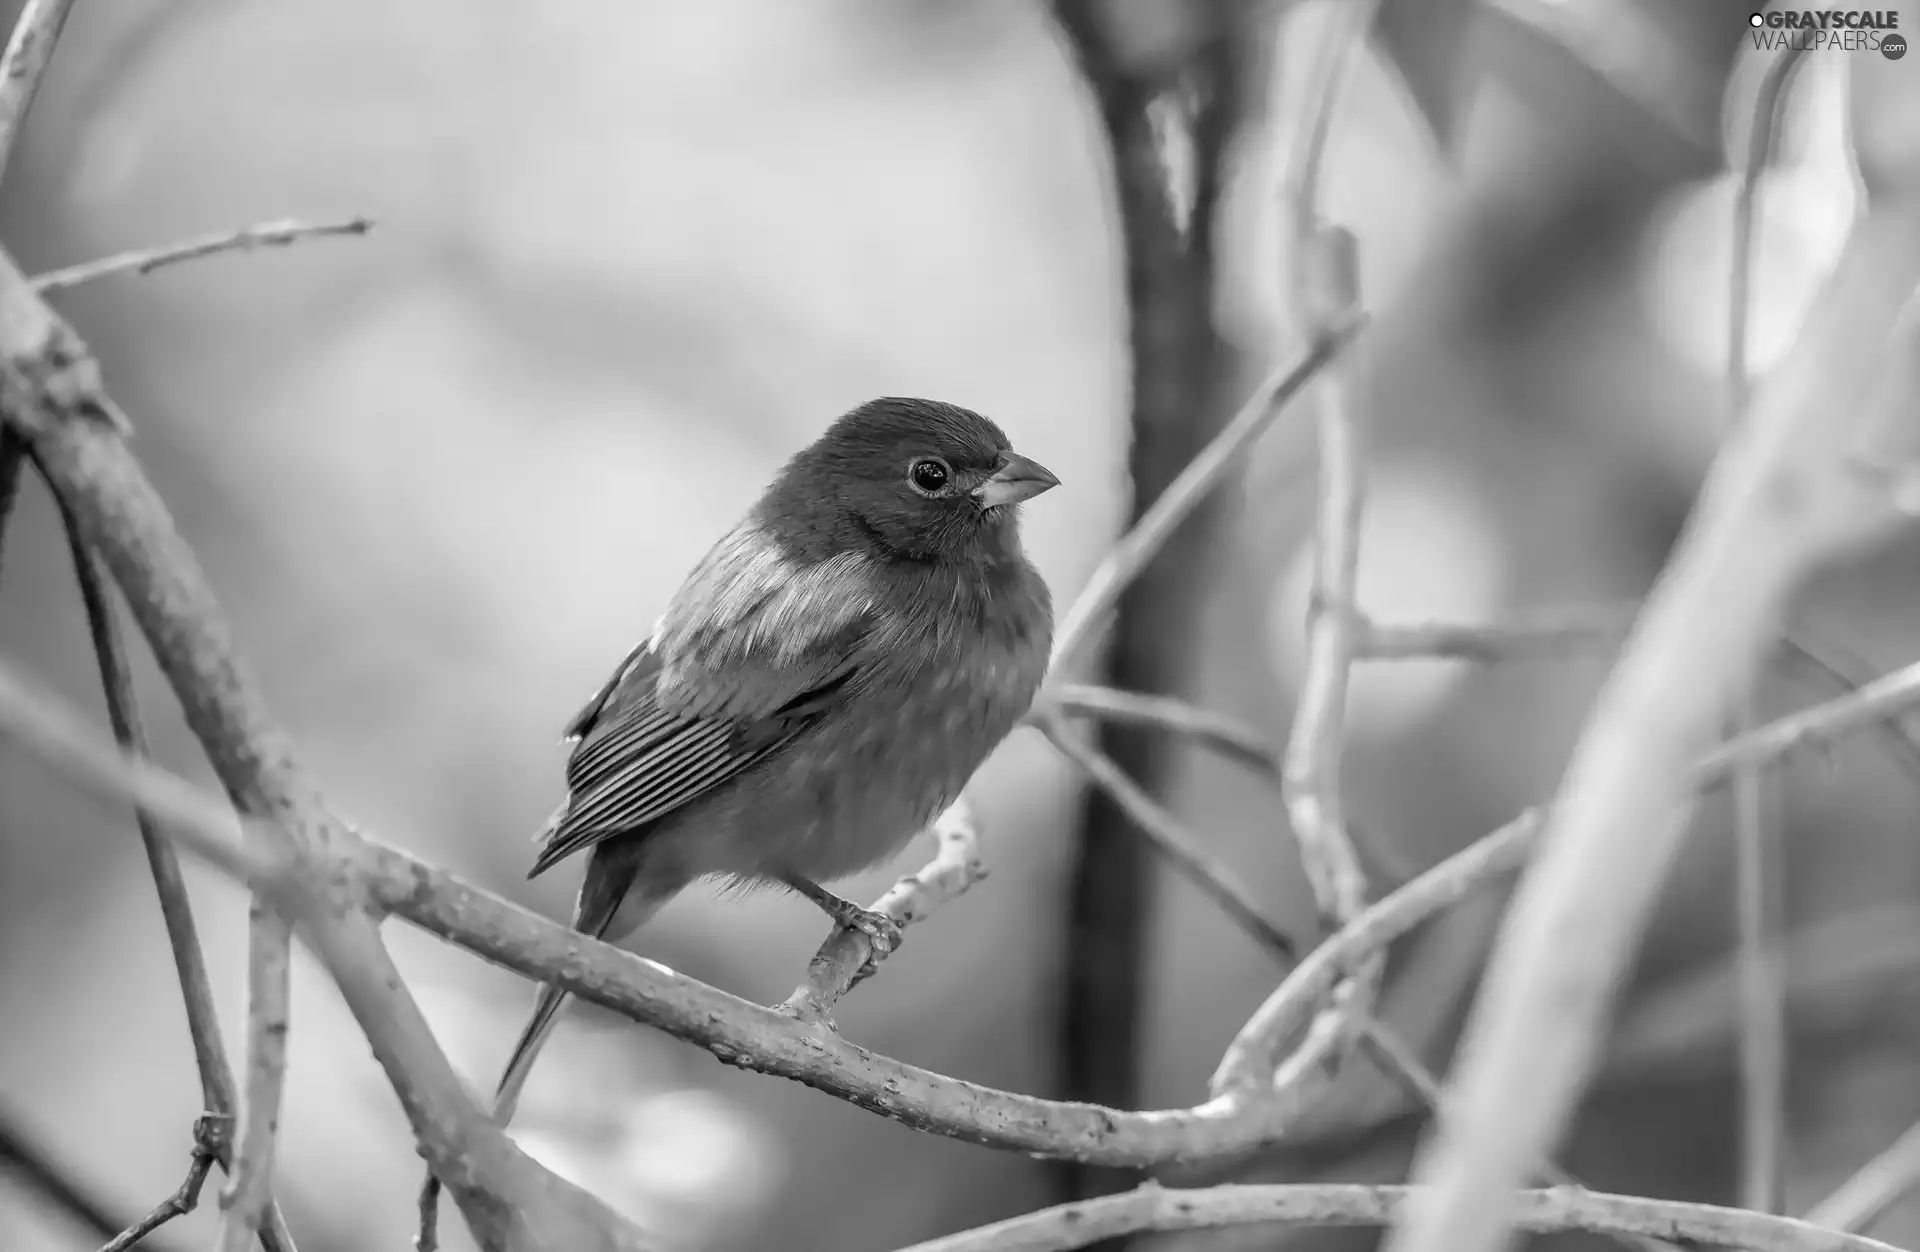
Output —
(217, 1090)
(1202, 474)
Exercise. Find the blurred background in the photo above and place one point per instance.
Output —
(629, 257)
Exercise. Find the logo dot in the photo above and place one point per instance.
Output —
(1893, 47)
(1756, 20)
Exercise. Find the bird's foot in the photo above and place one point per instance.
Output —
(882, 932)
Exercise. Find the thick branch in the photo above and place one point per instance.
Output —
(50, 391)
(744, 1034)
(24, 64)
(1779, 499)
(1561, 1208)
(218, 1094)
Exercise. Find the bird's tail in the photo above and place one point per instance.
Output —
(612, 900)
(546, 1012)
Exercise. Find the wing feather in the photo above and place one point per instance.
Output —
(753, 651)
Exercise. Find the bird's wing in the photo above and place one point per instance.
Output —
(750, 654)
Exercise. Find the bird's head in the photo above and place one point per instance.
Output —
(911, 479)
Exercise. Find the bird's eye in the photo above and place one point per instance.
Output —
(929, 476)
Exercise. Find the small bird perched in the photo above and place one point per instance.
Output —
(822, 685)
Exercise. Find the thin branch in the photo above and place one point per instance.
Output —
(1171, 838)
(1399, 1062)
(24, 65)
(1778, 501)
(1540, 636)
(1182, 849)
(1871, 705)
(1758, 879)
(147, 260)
(1859, 1203)
(1202, 474)
(1152, 1208)
(1556, 634)
(1323, 287)
(1230, 738)
(744, 1034)
(250, 1191)
(50, 391)
(1846, 672)
(210, 1143)
(218, 1093)
(955, 867)
(1249, 1061)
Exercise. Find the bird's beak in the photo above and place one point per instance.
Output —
(1019, 479)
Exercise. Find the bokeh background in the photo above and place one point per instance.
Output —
(630, 255)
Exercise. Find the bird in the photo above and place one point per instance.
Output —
(823, 684)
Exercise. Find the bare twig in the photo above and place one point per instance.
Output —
(1861, 1201)
(147, 260)
(1182, 849)
(1844, 672)
(1546, 636)
(1230, 738)
(50, 392)
(1250, 1059)
(1185, 851)
(956, 866)
(1076, 1225)
(217, 1091)
(269, 956)
(1323, 287)
(1202, 475)
(1779, 499)
(1399, 1062)
(1758, 881)
(210, 1142)
(24, 64)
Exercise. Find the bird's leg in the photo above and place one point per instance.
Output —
(882, 932)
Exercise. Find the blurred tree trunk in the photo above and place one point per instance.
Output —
(1167, 82)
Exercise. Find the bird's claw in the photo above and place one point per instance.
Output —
(883, 937)
(882, 932)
